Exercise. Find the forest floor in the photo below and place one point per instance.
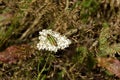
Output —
(92, 26)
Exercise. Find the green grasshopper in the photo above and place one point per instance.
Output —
(52, 40)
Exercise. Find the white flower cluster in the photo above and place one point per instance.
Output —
(46, 44)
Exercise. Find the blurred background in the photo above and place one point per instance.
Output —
(93, 26)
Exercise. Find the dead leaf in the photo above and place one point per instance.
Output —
(16, 52)
(5, 18)
(111, 64)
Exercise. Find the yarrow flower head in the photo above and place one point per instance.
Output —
(52, 41)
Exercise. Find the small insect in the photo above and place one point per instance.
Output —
(52, 40)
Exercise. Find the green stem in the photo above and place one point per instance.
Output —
(39, 75)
